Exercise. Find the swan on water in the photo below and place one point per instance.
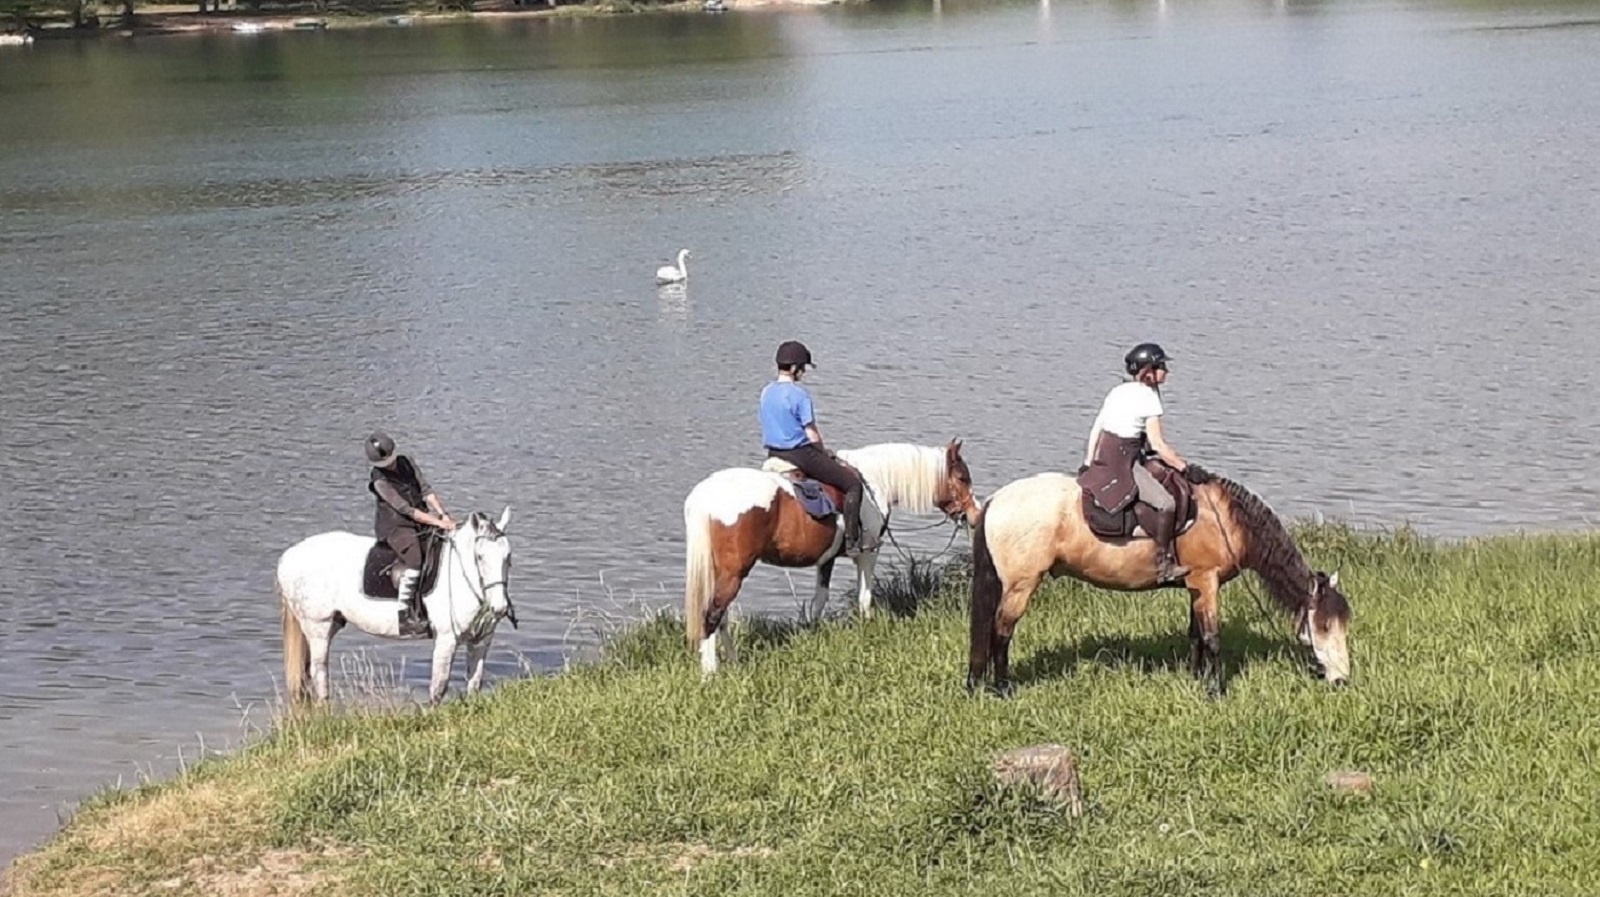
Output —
(669, 274)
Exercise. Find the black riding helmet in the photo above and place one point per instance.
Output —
(794, 354)
(1144, 355)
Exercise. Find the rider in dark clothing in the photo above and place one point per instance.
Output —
(405, 503)
(789, 431)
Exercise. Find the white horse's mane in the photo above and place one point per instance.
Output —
(903, 474)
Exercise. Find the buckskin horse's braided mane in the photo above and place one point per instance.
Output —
(1269, 550)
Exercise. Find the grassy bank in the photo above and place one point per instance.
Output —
(848, 759)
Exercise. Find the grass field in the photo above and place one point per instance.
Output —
(848, 759)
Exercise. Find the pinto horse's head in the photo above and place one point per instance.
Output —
(955, 497)
(1323, 625)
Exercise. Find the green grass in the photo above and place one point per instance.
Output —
(848, 759)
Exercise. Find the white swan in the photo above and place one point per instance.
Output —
(669, 274)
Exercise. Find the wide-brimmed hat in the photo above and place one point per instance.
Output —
(380, 449)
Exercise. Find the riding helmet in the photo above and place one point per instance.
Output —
(794, 354)
(1143, 356)
(380, 449)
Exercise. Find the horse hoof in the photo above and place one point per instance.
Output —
(1005, 689)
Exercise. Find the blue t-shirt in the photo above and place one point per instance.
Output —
(785, 412)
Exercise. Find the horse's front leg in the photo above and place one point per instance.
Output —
(1204, 632)
(866, 564)
(444, 651)
(476, 653)
(819, 599)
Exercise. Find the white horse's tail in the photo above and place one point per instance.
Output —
(699, 570)
(296, 652)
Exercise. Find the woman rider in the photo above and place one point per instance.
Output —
(789, 431)
(1129, 422)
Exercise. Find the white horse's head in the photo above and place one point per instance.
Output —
(484, 541)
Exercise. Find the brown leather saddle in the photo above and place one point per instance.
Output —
(380, 578)
(1119, 521)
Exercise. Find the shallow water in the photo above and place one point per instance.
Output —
(1364, 229)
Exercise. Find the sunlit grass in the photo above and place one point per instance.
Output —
(849, 759)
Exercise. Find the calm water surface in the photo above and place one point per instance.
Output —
(1366, 229)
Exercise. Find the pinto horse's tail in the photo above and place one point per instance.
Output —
(699, 573)
(296, 653)
(986, 592)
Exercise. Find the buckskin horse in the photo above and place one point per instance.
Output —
(740, 515)
(1035, 527)
(323, 584)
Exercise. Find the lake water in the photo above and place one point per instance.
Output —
(1366, 230)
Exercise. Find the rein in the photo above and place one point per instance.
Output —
(907, 556)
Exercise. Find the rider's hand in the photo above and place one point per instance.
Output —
(447, 523)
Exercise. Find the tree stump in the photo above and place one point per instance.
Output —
(1051, 769)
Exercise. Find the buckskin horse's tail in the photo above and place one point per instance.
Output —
(986, 592)
(296, 653)
(699, 570)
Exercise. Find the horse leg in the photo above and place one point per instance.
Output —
(318, 640)
(1205, 659)
(866, 562)
(476, 652)
(727, 588)
(444, 651)
(1013, 604)
(819, 600)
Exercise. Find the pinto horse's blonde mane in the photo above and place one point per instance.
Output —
(903, 475)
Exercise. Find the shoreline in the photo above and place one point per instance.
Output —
(164, 19)
(621, 786)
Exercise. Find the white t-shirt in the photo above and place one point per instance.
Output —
(1126, 409)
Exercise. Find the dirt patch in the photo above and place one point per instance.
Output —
(682, 856)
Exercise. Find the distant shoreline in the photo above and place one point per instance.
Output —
(158, 19)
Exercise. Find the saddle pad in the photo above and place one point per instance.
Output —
(814, 498)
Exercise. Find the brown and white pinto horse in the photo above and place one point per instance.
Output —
(1034, 527)
(740, 515)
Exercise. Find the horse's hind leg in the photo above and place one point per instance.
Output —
(1012, 606)
(727, 589)
(318, 641)
(1205, 640)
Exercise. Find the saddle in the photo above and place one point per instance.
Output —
(1121, 523)
(820, 500)
(380, 577)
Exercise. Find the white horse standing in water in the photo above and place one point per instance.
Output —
(320, 589)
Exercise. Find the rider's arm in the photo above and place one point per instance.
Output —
(813, 434)
(807, 415)
(1163, 450)
(394, 499)
(431, 499)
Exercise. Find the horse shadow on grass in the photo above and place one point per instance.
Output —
(1168, 653)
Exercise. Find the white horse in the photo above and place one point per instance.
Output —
(739, 516)
(320, 590)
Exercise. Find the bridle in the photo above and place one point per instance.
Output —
(480, 590)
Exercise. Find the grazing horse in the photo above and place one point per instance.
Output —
(320, 590)
(1034, 527)
(740, 515)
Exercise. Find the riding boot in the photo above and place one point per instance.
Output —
(1167, 567)
(852, 521)
(411, 622)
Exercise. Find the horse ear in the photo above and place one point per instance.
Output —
(505, 518)
(1333, 579)
(953, 448)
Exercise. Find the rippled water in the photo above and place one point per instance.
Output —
(1365, 229)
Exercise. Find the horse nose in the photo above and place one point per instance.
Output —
(1340, 682)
